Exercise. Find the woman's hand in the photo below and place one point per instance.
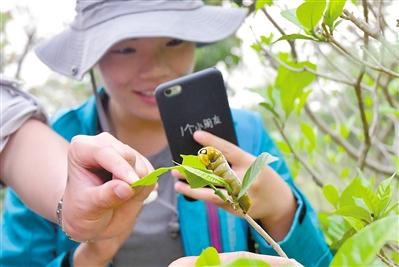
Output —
(272, 200)
(231, 256)
(94, 210)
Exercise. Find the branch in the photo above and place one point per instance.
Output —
(366, 28)
(346, 53)
(28, 45)
(367, 143)
(265, 236)
(315, 177)
(358, 90)
(290, 42)
(352, 152)
(362, 25)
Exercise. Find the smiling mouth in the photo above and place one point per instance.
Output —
(145, 93)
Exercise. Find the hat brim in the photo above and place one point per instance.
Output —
(74, 52)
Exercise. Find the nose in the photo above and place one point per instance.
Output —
(155, 67)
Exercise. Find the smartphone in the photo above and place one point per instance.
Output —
(197, 101)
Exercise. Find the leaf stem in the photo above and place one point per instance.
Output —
(265, 236)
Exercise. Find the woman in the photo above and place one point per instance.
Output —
(137, 45)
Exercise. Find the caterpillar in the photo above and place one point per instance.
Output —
(215, 161)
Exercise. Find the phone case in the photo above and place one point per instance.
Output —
(193, 102)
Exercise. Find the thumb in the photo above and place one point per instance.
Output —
(110, 195)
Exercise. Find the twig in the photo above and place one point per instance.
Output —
(290, 42)
(31, 36)
(385, 260)
(332, 41)
(362, 25)
(360, 61)
(366, 28)
(366, 145)
(352, 152)
(266, 236)
(315, 177)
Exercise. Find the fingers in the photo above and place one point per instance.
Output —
(205, 194)
(109, 159)
(110, 195)
(103, 151)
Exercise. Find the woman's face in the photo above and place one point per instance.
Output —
(132, 69)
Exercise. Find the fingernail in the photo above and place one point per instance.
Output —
(131, 177)
(123, 192)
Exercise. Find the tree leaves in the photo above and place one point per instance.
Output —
(334, 10)
(331, 194)
(310, 12)
(361, 248)
(291, 84)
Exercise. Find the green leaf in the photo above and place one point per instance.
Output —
(310, 12)
(267, 40)
(354, 211)
(307, 130)
(283, 147)
(254, 170)
(247, 262)
(290, 15)
(334, 10)
(152, 177)
(291, 84)
(344, 131)
(362, 247)
(301, 101)
(295, 36)
(208, 257)
(207, 176)
(192, 161)
(355, 223)
(261, 3)
(270, 108)
(331, 194)
(352, 190)
(384, 194)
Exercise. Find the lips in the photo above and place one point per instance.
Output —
(147, 96)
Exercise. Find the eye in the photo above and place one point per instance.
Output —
(124, 51)
(203, 151)
(174, 42)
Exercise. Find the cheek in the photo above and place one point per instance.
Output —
(114, 75)
(184, 61)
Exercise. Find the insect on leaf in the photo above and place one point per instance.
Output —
(254, 170)
(205, 175)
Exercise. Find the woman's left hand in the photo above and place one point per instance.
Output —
(273, 202)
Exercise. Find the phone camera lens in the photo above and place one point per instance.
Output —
(168, 91)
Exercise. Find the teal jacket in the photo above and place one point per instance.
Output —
(30, 240)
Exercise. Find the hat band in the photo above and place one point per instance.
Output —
(104, 11)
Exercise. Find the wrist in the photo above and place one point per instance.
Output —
(88, 254)
(278, 223)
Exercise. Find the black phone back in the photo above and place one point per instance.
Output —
(193, 102)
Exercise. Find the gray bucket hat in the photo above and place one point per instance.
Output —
(100, 24)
